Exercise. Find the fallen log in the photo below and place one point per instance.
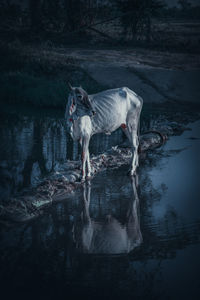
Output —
(60, 184)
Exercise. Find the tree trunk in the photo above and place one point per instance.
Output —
(148, 32)
(35, 15)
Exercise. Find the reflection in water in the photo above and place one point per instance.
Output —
(107, 235)
(31, 147)
(42, 256)
(49, 256)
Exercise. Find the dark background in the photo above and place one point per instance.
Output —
(152, 47)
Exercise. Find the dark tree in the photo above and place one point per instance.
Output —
(52, 11)
(184, 4)
(35, 9)
(79, 13)
(137, 16)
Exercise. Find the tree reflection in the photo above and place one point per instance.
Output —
(30, 147)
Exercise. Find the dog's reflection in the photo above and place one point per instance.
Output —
(108, 236)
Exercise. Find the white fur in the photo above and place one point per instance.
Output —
(113, 109)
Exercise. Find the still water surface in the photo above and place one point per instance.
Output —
(116, 237)
(34, 143)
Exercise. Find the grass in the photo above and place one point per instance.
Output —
(39, 76)
(20, 87)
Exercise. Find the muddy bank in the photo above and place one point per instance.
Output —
(38, 76)
(66, 178)
(154, 75)
(153, 84)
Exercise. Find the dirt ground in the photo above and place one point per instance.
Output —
(155, 75)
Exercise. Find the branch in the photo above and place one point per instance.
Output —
(98, 23)
(101, 33)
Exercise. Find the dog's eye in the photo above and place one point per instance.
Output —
(79, 97)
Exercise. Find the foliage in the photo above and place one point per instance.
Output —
(185, 12)
(20, 87)
(65, 21)
(39, 76)
(137, 14)
(79, 13)
(40, 91)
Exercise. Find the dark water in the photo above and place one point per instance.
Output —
(34, 143)
(115, 237)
